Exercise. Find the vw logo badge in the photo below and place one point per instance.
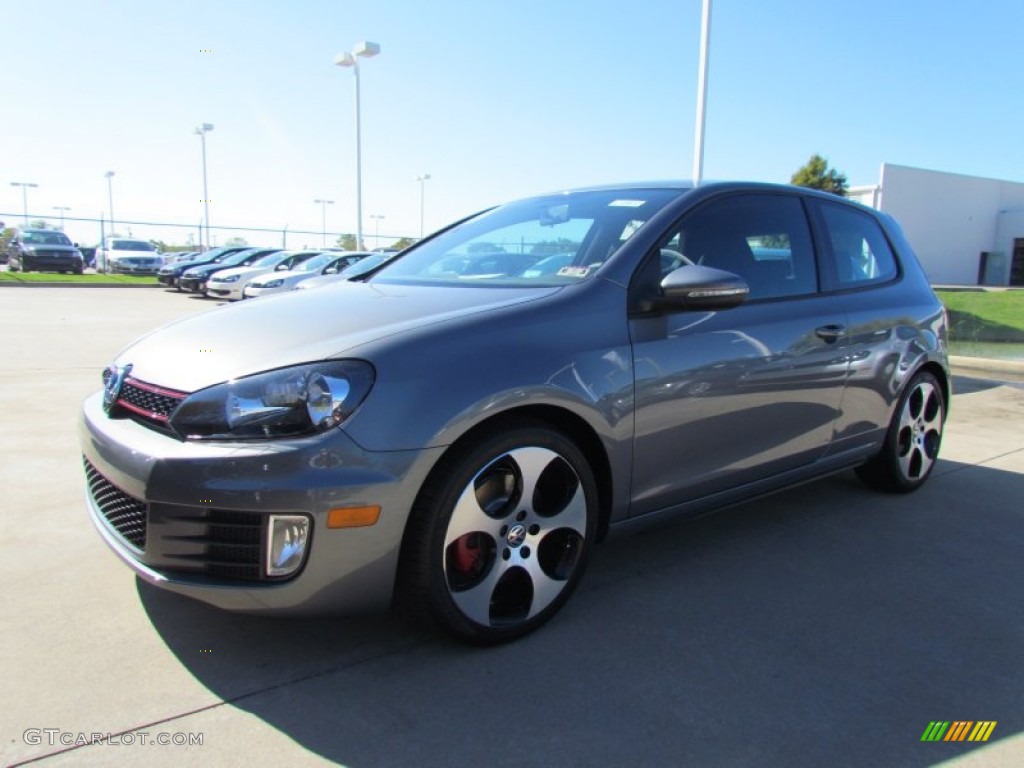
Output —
(112, 388)
(516, 535)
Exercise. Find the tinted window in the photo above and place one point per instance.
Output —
(860, 252)
(764, 239)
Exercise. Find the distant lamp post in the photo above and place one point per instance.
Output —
(61, 208)
(323, 219)
(110, 199)
(702, 92)
(422, 179)
(351, 59)
(376, 228)
(25, 186)
(201, 132)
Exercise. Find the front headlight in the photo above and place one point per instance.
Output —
(228, 279)
(277, 283)
(289, 402)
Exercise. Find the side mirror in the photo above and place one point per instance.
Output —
(701, 288)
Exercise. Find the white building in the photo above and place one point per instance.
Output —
(966, 230)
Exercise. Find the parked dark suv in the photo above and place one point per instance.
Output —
(43, 250)
(457, 429)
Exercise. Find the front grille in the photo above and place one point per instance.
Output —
(126, 515)
(148, 400)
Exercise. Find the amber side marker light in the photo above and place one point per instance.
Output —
(353, 517)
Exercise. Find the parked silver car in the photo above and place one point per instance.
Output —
(455, 431)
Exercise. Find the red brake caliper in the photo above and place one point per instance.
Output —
(467, 554)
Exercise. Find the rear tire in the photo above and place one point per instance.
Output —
(500, 534)
(912, 442)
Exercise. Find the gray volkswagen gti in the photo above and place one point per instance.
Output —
(453, 432)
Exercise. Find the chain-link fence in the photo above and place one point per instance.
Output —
(90, 232)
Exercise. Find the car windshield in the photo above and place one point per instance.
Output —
(315, 263)
(131, 245)
(45, 238)
(244, 258)
(513, 245)
(365, 265)
(272, 259)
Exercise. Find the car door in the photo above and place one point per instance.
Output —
(882, 342)
(730, 397)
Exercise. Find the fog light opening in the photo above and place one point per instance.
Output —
(287, 539)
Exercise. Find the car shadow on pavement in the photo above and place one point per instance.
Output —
(827, 625)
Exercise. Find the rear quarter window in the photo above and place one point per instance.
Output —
(860, 251)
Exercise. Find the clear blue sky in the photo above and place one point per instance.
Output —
(494, 100)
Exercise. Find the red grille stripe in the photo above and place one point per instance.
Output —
(156, 390)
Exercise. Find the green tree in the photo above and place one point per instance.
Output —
(405, 242)
(38, 224)
(817, 175)
(347, 242)
(236, 241)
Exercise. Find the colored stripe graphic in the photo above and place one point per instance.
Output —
(959, 730)
(982, 730)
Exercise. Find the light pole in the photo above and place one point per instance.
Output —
(25, 186)
(422, 179)
(351, 59)
(702, 93)
(376, 228)
(201, 132)
(61, 208)
(110, 199)
(323, 219)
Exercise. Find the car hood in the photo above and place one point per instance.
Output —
(321, 281)
(44, 247)
(300, 327)
(133, 255)
(241, 271)
(291, 274)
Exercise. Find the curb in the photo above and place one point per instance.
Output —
(974, 366)
(11, 284)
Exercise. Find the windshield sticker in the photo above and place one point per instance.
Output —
(625, 203)
(574, 271)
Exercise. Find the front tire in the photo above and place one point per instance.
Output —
(912, 443)
(500, 534)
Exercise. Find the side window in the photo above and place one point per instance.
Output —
(860, 252)
(765, 239)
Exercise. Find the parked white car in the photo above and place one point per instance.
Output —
(328, 263)
(230, 283)
(129, 256)
(361, 267)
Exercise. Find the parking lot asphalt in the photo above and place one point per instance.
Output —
(827, 625)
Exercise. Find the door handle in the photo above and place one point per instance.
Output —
(830, 333)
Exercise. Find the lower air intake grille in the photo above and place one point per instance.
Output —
(126, 515)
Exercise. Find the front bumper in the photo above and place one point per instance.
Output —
(120, 269)
(192, 284)
(254, 291)
(178, 487)
(230, 291)
(51, 264)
